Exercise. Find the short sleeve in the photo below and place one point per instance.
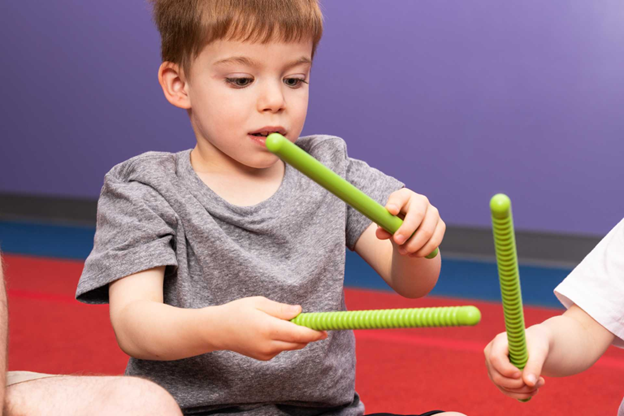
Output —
(596, 285)
(373, 183)
(135, 232)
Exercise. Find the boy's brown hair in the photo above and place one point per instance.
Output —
(186, 26)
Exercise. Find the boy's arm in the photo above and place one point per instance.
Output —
(401, 262)
(146, 328)
(412, 277)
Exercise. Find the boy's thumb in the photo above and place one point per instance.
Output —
(533, 368)
(280, 310)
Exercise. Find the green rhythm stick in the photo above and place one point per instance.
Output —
(391, 318)
(319, 173)
(506, 258)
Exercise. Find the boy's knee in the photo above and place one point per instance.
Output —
(90, 395)
(145, 397)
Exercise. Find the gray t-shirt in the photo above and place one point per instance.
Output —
(155, 211)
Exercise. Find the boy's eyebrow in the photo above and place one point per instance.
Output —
(237, 59)
(250, 62)
(302, 60)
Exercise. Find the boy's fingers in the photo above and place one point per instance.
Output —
(506, 382)
(424, 233)
(293, 333)
(505, 375)
(382, 234)
(288, 346)
(533, 367)
(519, 396)
(274, 348)
(503, 382)
(278, 310)
(434, 242)
(521, 389)
(281, 329)
(415, 214)
(498, 357)
(397, 200)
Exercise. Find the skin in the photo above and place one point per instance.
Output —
(558, 347)
(99, 396)
(233, 89)
(71, 395)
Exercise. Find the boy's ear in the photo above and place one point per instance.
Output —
(172, 80)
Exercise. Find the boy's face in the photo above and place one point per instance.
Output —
(239, 92)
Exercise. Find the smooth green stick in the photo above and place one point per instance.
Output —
(509, 277)
(391, 318)
(322, 175)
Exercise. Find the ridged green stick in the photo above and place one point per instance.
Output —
(322, 175)
(391, 318)
(509, 277)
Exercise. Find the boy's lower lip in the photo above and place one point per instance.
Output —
(261, 140)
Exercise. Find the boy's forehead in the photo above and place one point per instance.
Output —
(224, 52)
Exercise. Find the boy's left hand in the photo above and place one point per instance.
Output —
(418, 216)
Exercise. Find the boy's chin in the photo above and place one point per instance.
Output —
(262, 163)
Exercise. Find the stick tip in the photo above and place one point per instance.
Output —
(500, 205)
(274, 142)
(470, 315)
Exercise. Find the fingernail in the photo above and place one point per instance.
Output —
(400, 239)
(531, 379)
(295, 308)
(392, 207)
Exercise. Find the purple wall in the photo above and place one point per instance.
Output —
(459, 99)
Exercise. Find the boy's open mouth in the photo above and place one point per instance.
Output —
(265, 131)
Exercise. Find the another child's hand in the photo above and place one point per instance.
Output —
(510, 380)
(418, 214)
(258, 328)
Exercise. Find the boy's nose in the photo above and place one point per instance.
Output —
(271, 99)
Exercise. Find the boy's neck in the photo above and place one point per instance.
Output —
(236, 183)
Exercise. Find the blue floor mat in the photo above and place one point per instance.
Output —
(465, 279)
(46, 240)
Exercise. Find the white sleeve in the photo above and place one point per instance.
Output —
(596, 285)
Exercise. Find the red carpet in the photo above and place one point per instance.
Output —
(400, 371)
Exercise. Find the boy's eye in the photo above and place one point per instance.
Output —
(239, 82)
(294, 82)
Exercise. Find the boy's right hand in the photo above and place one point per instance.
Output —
(258, 328)
(510, 380)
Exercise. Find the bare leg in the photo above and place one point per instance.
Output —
(94, 396)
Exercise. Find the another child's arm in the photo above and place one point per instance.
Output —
(558, 347)
(146, 328)
(400, 261)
